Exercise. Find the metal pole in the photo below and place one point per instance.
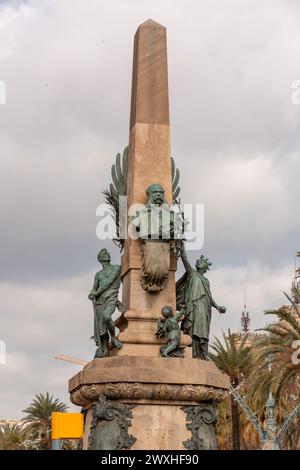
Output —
(56, 444)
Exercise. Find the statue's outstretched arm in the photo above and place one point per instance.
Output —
(179, 315)
(185, 260)
(221, 309)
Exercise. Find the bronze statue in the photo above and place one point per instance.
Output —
(156, 224)
(154, 220)
(169, 325)
(194, 296)
(104, 296)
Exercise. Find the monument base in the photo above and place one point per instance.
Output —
(149, 403)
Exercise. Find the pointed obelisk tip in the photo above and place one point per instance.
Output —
(151, 24)
(149, 96)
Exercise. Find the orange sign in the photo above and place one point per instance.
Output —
(67, 425)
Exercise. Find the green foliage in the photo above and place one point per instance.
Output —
(11, 437)
(274, 369)
(233, 357)
(276, 347)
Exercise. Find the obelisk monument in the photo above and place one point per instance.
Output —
(149, 162)
(134, 398)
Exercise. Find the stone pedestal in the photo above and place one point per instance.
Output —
(132, 402)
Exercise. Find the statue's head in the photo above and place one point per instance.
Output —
(103, 256)
(156, 194)
(167, 311)
(203, 264)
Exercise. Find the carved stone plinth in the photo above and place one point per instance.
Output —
(147, 403)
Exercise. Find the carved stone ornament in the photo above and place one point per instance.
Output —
(200, 421)
(155, 265)
(86, 394)
(80, 442)
(109, 428)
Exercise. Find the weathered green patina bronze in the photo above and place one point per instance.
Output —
(118, 187)
(169, 325)
(193, 294)
(157, 224)
(110, 423)
(155, 220)
(175, 181)
(201, 420)
(104, 296)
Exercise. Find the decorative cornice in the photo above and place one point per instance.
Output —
(88, 394)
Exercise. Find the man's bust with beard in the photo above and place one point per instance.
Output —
(155, 220)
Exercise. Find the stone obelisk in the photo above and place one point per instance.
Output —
(149, 162)
(136, 399)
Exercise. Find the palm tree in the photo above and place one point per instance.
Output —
(277, 346)
(273, 365)
(223, 427)
(11, 437)
(233, 357)
(38, 418)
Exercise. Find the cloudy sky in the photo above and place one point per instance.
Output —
(235, 134)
